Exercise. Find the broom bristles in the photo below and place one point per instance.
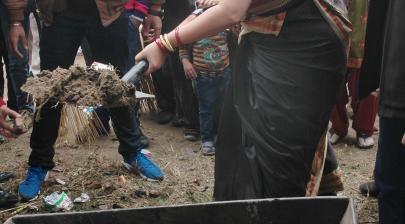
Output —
(78, 127)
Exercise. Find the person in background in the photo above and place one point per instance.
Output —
(206, 63)
(384, 68)
(185, 99)
(17, 65)
(65, 26)
(365, 111)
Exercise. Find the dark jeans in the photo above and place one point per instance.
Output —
(17, 68)
(133, 49)
(186, 102)
(59, 45)
(390, 171)
(134, 42)
(162, 81)
(210, 91)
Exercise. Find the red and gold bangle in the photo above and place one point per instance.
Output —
(177, 35)
(161, 46)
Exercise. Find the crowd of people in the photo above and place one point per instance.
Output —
(258, 87)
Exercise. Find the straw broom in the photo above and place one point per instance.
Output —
(78, 127)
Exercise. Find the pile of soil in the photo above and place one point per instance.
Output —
(80, 87)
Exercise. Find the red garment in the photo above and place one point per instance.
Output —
(364, 113)
(2, 102)
(135, 5)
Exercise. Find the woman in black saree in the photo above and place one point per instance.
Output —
(289, 66)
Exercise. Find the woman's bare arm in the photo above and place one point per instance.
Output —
(212, 21)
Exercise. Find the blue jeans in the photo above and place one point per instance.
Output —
(17, 68)
(210, 91)
(390, 171)
(134, 42)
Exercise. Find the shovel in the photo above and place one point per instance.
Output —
(135, 72)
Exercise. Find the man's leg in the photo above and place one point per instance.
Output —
(109, 45)
(58, 45)
(390, 171)
(18, 71)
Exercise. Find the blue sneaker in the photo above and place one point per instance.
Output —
(144, 166)
(29, 189)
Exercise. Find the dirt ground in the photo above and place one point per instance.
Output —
(94, 169)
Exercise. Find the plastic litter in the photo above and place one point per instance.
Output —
(82, 199)
(58, 201)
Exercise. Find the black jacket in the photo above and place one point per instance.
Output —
(384, 60)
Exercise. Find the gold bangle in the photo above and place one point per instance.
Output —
(164, 42)
(168, 42)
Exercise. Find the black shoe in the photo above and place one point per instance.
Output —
(178, 122)
(191, 135)
(7, 199)
(164, 117)
(369, 189)
(5, 176)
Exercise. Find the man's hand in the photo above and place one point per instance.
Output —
(16, 117)
(403, 139)
(152, 24)
(16, 34)
(189, 69)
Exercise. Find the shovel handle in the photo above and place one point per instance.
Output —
(135, 72)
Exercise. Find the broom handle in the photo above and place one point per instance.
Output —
(135, 72)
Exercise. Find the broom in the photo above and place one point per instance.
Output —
(79, 124)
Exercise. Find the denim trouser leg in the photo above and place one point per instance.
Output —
(390, 171)
(17, 68)
(210, 92)
(134, 43)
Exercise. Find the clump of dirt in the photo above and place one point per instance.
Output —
(80, 87)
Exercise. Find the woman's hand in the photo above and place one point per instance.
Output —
(189, 69)
(16, 117)
(153, 55)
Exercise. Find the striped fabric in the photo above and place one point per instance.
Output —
(274, 23)
(209, 55)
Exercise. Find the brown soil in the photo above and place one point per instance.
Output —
(80, 87)
(94, 169)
